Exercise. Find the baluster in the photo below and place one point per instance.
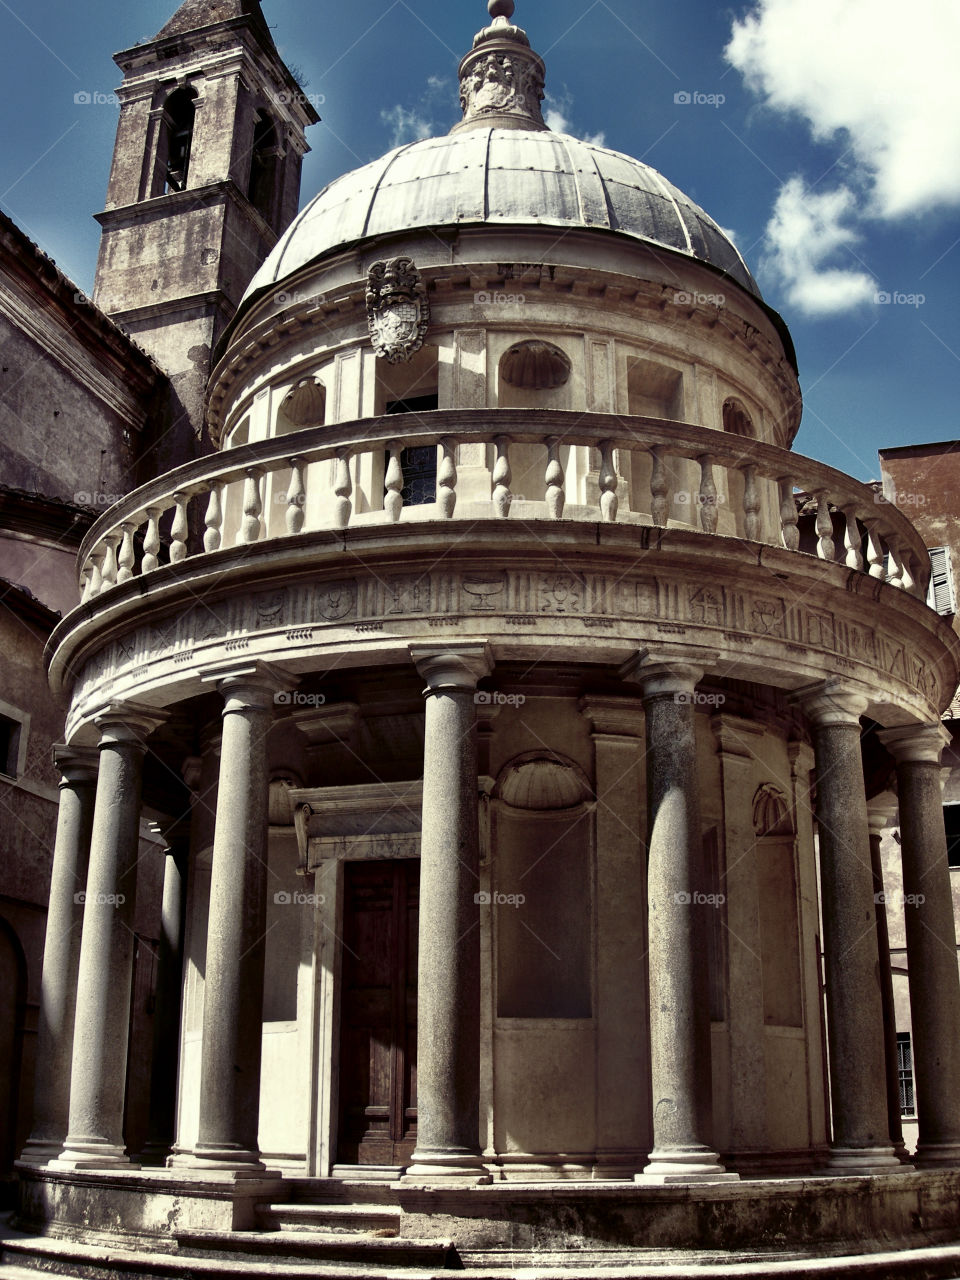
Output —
(851, 540)
(709, 512)
(895, 571)
(179, 529)
(907, 580)
(343, 488)
(447, 479)
(296, 495)
(826, 547)
(875, 558)
(151, 541)
(213, 519)
(502, 497)
(609, 503)
(789, 519)
(251, 525)
(108, 572)
(659, 489)
(127, 558)
(94, 581)
(751, 503)
(554, 479)
(393, 502)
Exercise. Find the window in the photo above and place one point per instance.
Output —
(9, 746)
(951, 822)
(942, 594)
(905, 1073)
(179, 120)
(419, 465)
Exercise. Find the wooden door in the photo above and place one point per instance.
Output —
(378, 1019)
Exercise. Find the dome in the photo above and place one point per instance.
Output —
(488, 176)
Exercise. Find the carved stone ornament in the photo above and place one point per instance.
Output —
(398, 311)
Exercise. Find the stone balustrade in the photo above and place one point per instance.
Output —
(231, 498)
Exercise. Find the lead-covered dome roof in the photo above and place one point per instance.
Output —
(489, 176)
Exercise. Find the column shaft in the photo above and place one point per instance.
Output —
(861, 1139)
(98, 1072)
(931, 944)
(448, 1031)
(61, 954)
(886, 990)
(233, 988)
(677, 888)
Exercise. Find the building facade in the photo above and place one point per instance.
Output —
(502, 717)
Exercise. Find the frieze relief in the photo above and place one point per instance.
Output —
(301, 614)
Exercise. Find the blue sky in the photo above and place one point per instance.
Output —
(827, 140)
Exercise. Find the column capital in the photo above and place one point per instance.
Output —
(174, 833)
(452, 666)
(612, 717)
(663, 673)
(77, 765)
(251, 686)
(128, 723)
(830, 703)
(916, 743)
(882, 812)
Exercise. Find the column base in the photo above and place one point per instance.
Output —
(937, 1155)
(155, 1155)
(91, 1155)
(38, 1152)
(694, 1165)
(465, 1168)
(236, 1161)
(861, 1161)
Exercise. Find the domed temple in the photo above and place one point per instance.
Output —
(500, 706)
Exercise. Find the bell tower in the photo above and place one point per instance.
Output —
(205, 177)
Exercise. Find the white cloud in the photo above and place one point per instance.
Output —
(407, 124)
(556, 116)
(883, 74)
(425, 120)
(807, 234)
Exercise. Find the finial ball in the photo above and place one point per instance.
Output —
(501, 8)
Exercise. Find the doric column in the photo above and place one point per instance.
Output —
(61, 953)
(676, 882)
(99, 1064)
(166, 1017)
(448, 983)
(881, 813)
(931, 941)
(861, 1141)
(233, 987)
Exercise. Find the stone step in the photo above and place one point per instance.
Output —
(366, 1219)
(321, 1246)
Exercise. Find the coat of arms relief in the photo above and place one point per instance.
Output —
(398, 311)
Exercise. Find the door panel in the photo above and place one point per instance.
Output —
(378, 1025)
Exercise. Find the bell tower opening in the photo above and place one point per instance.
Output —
(179, 117)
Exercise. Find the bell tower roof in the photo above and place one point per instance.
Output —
(193, 15)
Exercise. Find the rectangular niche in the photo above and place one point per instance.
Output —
(543, 944)
(654, 390)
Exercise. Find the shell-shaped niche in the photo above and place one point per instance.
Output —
(771, 812)
(306, 404)
(541, 781)
(535, 366)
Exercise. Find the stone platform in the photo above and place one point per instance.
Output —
(159, 1225)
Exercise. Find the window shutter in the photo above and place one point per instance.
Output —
(942, 595)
